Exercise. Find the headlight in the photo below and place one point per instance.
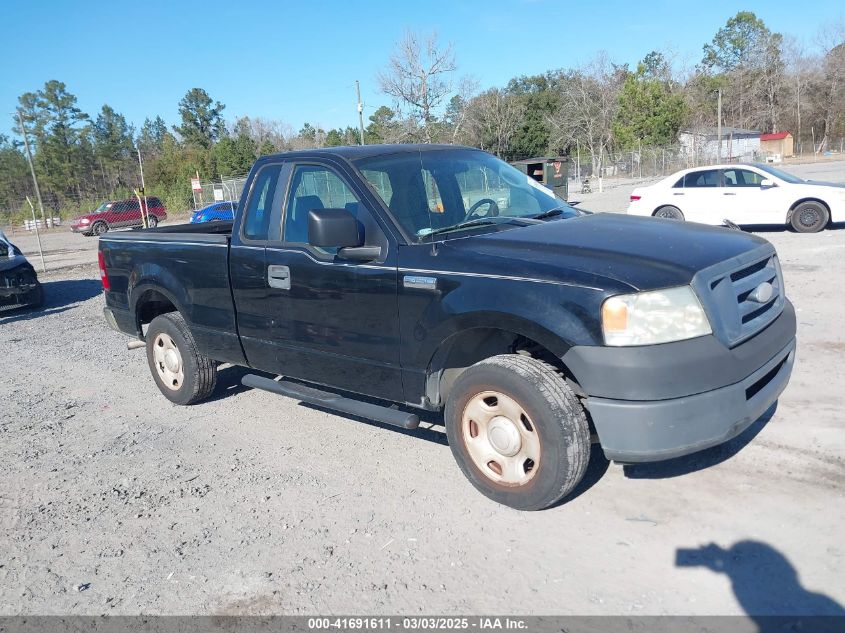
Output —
(648, 318)
(84, 221)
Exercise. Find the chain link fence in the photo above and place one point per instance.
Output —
(119, 209)
(611, 168)
(650, 163)
(226, 189)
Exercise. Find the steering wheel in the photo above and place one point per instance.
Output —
(492, 211)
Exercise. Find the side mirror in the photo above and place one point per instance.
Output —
(333, 228)
(767, 183)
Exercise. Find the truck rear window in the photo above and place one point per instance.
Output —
(257, 213)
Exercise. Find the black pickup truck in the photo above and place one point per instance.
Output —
(440, 278)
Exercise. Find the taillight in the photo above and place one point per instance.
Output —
(635, 198)
(104, 277)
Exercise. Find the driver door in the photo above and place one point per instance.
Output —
(332, 321)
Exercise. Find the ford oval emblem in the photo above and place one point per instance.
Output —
(762, 293)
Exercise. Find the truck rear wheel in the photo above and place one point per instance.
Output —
(517, 431)
(182, 374)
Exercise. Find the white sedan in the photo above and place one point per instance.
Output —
(750, 194)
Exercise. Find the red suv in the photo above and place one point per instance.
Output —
(118, 214)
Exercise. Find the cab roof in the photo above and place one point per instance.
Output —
(355, 152)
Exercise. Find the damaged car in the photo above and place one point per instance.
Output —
(19, 285)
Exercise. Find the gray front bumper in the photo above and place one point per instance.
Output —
(656, 402)
(646, 431)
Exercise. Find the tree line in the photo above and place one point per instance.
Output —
(769, 82)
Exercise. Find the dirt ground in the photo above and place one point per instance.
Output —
(114, 501)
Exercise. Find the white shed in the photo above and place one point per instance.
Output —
(701, 145)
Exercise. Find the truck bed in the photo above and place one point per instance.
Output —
(188, 265)
(211, 228)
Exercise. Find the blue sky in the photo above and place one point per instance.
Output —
(298, 61)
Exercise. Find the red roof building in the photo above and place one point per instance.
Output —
(777, 136)
(777, 146)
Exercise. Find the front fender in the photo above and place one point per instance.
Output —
(552, 315)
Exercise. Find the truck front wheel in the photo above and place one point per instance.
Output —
(517, 431)
(182, 374)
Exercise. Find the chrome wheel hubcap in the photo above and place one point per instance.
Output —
(168, 362)
(500, 438)
(809, 218)
(504, 436)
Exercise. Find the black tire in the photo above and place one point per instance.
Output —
(152, 221)
(98, 228)
(199, 372)
(669, 212)
(553, 412)
(809, 217)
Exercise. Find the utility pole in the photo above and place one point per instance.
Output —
(360, 111)
(798, 94)
(145, 215)
(719, 125)
(32, 169)
(37, 235)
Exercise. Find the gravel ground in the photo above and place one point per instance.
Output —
(114, 501)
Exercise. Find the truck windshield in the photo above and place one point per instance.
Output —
(443, 192)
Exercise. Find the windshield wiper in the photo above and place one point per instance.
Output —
(549, 214)
(477, 222)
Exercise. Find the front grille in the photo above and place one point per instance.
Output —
(730, 295)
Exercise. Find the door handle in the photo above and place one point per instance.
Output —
(677, 193)
(278, 276)
(728, 193)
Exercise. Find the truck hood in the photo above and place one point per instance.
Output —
(637, 253)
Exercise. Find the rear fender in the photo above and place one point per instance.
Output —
(152, 277)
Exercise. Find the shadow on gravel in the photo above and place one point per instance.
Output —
(765, 584)
(428, 419)
(59, 296)
(425, 431)
(703, 459)
(229, 381)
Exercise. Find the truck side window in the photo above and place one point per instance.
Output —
(314, 187)
(257, 213)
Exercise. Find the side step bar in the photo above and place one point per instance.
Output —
(333, 401)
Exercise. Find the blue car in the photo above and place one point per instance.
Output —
(219, 211)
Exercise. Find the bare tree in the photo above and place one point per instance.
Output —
(831, 88)
(458, 110)
(493, 118)
(589, 101)
(417, 76)
(265, 131)
(801, 72)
